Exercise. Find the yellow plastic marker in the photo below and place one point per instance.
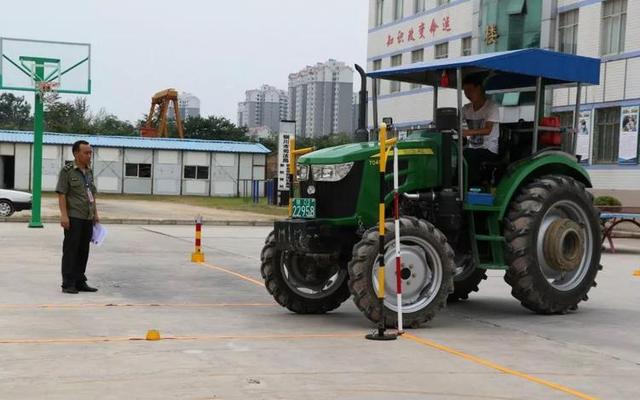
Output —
(636, 272)
(153, 334)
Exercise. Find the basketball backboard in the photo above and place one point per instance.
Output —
(25, 63)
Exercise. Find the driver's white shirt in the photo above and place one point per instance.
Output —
(489, 112)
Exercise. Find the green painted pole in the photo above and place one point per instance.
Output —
(38, 131)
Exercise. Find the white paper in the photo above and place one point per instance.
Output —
(99, 234)
(628, 150)
(584, 136)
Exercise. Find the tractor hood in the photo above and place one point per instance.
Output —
(365, 150)
(341, 154)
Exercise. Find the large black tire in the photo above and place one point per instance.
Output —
(466, 278)
(432, 284)
(553, 244)
(278, 281)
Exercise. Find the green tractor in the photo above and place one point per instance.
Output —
(534, 218)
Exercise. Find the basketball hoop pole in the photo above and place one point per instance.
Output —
(38, 132)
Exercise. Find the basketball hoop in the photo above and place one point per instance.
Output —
(46, 89)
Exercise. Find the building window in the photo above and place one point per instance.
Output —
(466, 46)
(442, 50)
(137, 170)
(377, 65)
(416, 57)
(379, 12)
(418, 6)
(398, 6)
(566, 118)
(568, 32)
(396, 61)
(606, 135)
(196, 172)
(614, 21)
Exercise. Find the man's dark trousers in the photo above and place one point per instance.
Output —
(474, 158)
(75, 251)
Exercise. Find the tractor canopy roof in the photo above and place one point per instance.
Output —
(515, 69)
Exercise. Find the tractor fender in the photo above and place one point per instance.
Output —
(524, 171)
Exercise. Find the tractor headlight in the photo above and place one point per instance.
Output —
(302, 172)
(330, 173)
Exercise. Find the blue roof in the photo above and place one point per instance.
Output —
(135, 142)
(505, 70)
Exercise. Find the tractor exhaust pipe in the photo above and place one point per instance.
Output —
(362, 134)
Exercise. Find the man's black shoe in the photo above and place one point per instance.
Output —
(83, 287)
(70, 290)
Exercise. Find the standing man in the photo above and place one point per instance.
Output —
(78, 214)
(483, 139)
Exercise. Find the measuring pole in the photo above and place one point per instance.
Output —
(396, 217)
(38, 132)
(292, 171)
(381, 331)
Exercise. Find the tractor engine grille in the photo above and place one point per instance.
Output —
(336, 199)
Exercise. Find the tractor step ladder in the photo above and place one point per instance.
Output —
(494, 237)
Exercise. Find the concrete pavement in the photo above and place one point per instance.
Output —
(227, 339)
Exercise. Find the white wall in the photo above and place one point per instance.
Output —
(23, 167)
(198, 187)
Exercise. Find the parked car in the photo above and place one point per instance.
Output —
(12, 201)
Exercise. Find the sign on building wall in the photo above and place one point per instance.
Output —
(287, 130)
(422, 30)
(628, 150)
(584, 136)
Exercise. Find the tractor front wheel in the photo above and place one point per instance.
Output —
(466, 278)
(303, 284)
(426, 273)
(553, 244)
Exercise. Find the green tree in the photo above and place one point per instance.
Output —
(15, 112)
(71, 117)
(213, 128)
(109, 124)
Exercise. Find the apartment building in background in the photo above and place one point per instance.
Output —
(321, 99)
(188, 104)
(262, 110)
(402, 32)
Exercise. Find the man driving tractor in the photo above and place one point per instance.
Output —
(483, 130)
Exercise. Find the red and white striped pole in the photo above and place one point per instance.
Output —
(396, 217)
(198, 256)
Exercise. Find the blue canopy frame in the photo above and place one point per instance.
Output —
(503, 71)
(515, 69)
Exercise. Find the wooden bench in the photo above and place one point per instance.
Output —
(612, 216)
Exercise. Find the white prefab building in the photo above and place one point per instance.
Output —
(402, 32)
(140, 165)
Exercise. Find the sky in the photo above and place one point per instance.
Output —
(214, 49)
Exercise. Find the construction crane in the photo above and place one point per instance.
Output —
(162, 100)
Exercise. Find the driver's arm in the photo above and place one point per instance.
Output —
(488, 126)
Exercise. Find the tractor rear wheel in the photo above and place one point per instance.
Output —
(427, 273)
(553, 244)
(303, 284)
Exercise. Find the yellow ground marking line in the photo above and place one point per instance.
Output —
(134, 305)
(183, 338)
(497, 367)
(228, 271)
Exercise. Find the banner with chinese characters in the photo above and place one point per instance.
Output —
(287, 130)
(584, 136)
(420, 31)
(628, 150)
